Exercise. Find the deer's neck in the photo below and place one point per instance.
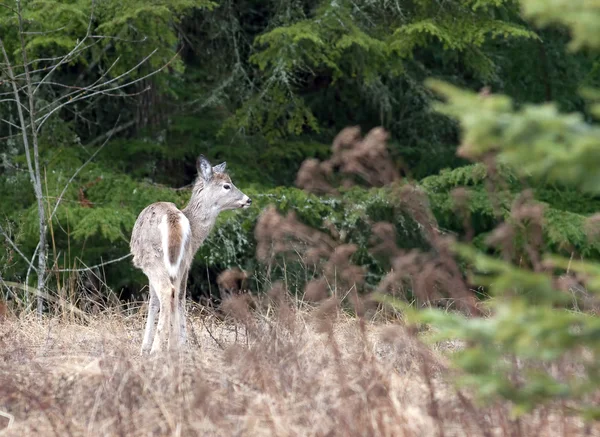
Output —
(201, 217)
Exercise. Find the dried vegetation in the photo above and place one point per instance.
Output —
(290, 372)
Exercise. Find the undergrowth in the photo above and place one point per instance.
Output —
(284, 369)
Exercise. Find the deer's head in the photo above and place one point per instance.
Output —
(219, 193)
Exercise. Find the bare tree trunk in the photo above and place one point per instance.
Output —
(41, 272)
(32, 166)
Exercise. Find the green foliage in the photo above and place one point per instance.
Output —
(169, 157)
(324, 42)
(525, 327)
(150, 22)
(101, 232)
(559, 147)
(277, 115)
(565, 214)
(282, 79)
(466, 35)
(105, 222)
(582, 17)
(99, 207)
(130, 31)
(538, 336)
(466, 176)
(363, 47)
(536, 323)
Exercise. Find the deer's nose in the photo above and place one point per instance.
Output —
(246, 202)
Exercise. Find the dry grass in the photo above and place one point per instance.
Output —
(282, 372)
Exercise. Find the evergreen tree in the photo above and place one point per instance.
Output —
(539, 343)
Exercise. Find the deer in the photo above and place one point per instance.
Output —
(164, 241)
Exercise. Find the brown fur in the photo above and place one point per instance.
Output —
(221, 177)
(175, 235)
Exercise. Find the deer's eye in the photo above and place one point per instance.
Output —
(227, 187)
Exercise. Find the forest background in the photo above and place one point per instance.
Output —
(262, 85)
(464, 214)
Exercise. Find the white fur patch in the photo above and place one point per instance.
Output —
(173, 269)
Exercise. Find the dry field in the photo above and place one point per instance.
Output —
(274, 372)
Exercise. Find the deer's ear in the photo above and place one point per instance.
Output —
(220, 168)
(204, 168)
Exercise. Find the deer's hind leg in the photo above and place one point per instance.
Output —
(182, 315)
(163, 293)
(153, 307)
(176, 317)
(167, 330)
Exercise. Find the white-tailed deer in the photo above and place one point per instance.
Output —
(164, 241)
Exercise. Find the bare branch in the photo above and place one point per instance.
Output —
(110, 134)
(93, 64)
(112, 261)
(37, 247)
(88, 87)
(15, 101)
(16, 248)
(124, 94)
(59, 199)
(4, 5)
(8, 137)
(84, 95)
(45, 32)
(61, 85)
(24, 87)
(55, 58)
(98, 39)
(117, 38)
(11, 123)
(68, 55)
